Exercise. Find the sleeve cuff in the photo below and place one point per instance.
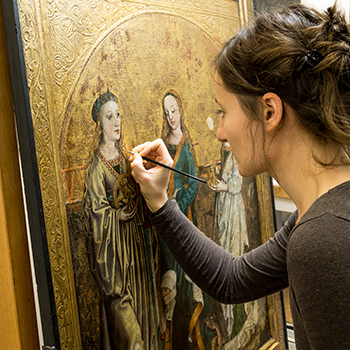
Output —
(159, 211)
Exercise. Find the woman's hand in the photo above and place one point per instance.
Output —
(153, 179)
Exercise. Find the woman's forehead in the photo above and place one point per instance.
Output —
(171, 98)
(109, 105)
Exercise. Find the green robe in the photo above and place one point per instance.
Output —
(120, 262)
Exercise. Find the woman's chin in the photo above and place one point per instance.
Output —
(247, 172)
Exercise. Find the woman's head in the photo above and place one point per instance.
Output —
(303, 56)
(105, 113)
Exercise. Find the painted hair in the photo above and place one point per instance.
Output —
(303, 56)
(166, 128)
(99, 102)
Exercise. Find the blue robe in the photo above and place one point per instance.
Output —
(185, 187)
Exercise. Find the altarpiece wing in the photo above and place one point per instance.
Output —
(139, 58)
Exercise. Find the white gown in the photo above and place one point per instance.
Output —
(230, 223)
(230, 227)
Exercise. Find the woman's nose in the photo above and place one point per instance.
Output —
(220, 134)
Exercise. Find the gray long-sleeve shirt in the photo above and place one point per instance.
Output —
(312, 257)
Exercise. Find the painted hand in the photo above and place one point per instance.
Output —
(220, 187)
(124, 215)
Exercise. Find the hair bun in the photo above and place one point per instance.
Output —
(335, 25)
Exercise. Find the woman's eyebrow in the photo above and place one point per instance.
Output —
(217, 102)
(111, 110)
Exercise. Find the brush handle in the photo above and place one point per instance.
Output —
(173, 169)
(170, 168)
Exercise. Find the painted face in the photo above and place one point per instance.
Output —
(172, 112)
(110, 121)
(226, 145)
(238, 130)
(165, 291)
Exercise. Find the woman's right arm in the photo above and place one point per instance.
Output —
(227, 279)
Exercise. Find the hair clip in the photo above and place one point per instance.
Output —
(313, 58)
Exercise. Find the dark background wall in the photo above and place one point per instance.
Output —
(260, 5)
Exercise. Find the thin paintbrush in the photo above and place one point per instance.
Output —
(170, 168)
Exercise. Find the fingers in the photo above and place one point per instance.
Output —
(155, 150)
(214, 188)
(153, 179)
(136, 163)
(141, 167)
(142, 149)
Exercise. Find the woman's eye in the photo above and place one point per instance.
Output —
(220, 113)
(109, 116)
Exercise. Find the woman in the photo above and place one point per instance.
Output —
(117, 243)
(282, 85)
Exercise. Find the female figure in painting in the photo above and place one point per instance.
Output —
(117, 247)
(193, 305)
(177, 139)
(190, 298)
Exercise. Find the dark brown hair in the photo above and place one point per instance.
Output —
(271, 55)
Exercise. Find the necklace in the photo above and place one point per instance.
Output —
(110, 164)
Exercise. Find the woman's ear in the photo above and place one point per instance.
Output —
(273, 111)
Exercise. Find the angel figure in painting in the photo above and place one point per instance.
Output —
(117, 241)
(230, 231)
(230, 227)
